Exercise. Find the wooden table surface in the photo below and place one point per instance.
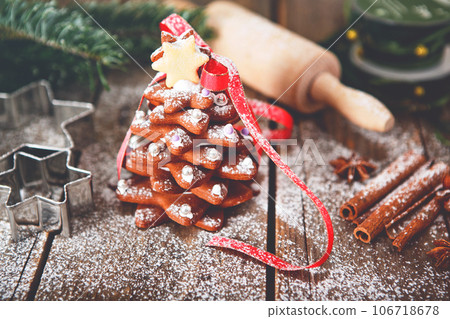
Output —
(107, 257)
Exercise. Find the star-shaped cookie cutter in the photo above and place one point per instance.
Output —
(36, 100)
(38, 185)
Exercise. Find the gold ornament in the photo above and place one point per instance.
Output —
(180, 61)
(419, 91)
(421, 51)
(352, 35)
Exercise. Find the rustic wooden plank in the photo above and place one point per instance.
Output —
(316, 20)
(21, 262)
(290, 227)
(107, 257)
(33, 268)
(18, 261)
(391, 274)
(358, 271)
(435, 149)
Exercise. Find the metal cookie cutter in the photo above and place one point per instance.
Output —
(37, 184)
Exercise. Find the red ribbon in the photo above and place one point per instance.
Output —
(273, 113)
(177, 25)
(214, 76)
(236, 93)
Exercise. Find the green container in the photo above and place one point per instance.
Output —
(419, 89)
(402, 52)
(403, 33)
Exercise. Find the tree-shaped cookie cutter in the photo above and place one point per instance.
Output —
(38, 185)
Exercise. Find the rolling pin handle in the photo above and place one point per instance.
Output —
(358, 107)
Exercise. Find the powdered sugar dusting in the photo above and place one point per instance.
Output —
(158, 112)
(211, 222)
(194, 116)
(184, 138)
(107, 257)
(355, 271)
(42, 130)
(244, 165)
(18, 260)
(217, 132)
(186, 86)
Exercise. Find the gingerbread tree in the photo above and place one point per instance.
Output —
(188, 161)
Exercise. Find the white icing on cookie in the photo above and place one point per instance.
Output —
(247, 163)
(154, 149)
(139, 117)
(216, 190)
(122, 187)
(187, 173)
(185, 211)
(158, 112)
(220, 99)
(197, 114)
(137, 141)
(212, 154)
(186, 86)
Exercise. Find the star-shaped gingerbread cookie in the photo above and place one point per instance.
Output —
(180, 60)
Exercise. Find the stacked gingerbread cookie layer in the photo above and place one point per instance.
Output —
(188, 161)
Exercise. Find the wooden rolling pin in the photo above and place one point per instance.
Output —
(283, 65)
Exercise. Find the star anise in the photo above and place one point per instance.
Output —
(352, 168)
(441, 253)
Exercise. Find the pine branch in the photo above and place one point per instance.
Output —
(41, 40)
(59, 28)
(137, 23)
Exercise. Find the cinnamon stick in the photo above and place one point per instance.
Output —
(392, 176)
(358, 220)
(417, 186)
(424, 218)
(395, 225)
(362, 217)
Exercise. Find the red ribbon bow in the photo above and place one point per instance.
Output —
(177, 25)
(214, 76)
